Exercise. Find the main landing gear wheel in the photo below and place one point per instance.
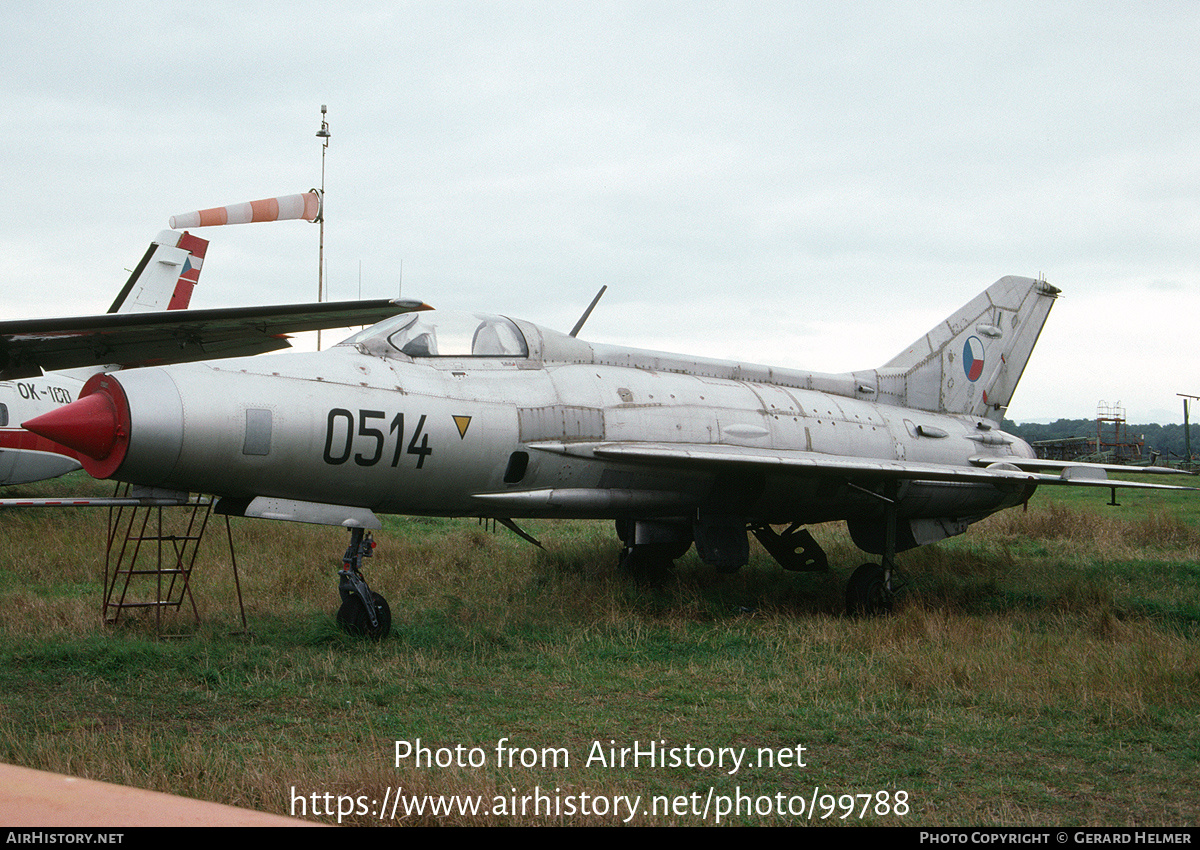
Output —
(363, 611)
(353, 619)
(868, 593)
(649, 563)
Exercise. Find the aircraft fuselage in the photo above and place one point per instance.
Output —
(484, 436)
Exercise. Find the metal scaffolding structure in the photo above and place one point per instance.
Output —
(1113, 442)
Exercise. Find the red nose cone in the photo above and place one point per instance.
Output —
(89, 425)
(96, 425)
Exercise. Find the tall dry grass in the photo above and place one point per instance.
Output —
(1038, 654)
(1157, 530)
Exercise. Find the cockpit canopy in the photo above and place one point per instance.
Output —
(435, 333)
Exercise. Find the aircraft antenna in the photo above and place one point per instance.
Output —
(323, 135)
(579, 325)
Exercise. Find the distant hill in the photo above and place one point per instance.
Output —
(1167, 439)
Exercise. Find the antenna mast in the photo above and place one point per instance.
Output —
(323, 135)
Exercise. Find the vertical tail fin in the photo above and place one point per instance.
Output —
(166, 275)
(971, 362)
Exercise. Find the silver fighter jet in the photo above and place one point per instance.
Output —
(443, 414)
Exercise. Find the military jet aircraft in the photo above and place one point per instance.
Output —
(446, 414)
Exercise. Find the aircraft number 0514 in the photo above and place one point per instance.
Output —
(340, 436)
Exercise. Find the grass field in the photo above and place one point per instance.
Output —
(1042, 669)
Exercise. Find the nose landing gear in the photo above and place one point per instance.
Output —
(363, 611)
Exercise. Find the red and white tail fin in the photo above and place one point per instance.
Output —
(166, 275)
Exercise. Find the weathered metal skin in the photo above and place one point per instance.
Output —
(431, 413)
(436, 436)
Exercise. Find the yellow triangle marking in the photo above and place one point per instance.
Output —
(462, 422)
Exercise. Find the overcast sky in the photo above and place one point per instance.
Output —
(810, 185)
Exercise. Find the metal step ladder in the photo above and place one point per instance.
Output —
(150, 553)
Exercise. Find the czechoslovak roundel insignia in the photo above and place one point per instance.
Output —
(973, 358)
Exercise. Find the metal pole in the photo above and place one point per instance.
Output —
(322, 134)
(1187, 433)
(1187, 429)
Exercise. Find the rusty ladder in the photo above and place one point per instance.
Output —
(159, 549)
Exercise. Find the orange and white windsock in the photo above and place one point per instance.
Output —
(306, 206)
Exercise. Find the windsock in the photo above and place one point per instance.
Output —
(306, 206)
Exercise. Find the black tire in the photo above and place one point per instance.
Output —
(626, 528)
(867, 594)
(675, 551)
(352, 617)
(647, 564)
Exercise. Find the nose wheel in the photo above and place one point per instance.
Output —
(363, 611)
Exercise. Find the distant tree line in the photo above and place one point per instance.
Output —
(1166, 439)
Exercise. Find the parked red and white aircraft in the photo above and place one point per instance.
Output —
(163, 280)
(44, 363)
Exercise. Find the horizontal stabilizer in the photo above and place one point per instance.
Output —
(1039, 464)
